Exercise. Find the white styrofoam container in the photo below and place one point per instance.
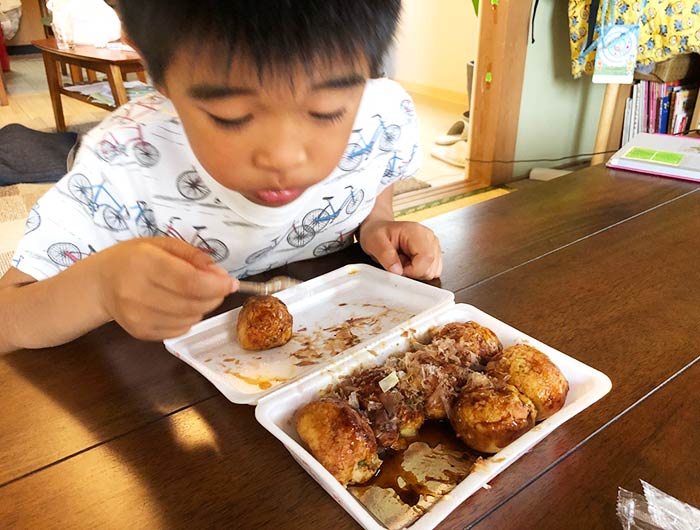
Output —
(377, 300)
(275, 411)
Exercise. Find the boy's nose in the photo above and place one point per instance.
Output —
(282, 152)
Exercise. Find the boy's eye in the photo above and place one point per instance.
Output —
(227, 123)
(330, 116)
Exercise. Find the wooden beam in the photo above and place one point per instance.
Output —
(498, 84)
(606, 134)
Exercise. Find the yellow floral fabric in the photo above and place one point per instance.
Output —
(666, 28)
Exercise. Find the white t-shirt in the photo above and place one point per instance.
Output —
(135, 175)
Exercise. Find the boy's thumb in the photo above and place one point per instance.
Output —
(184, 251)
(388, 258)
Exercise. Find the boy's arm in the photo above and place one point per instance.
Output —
(401, 247)
(154, 288)
(50, 312)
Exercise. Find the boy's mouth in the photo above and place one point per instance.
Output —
(277, 197)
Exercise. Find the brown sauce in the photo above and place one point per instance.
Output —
(392, 475)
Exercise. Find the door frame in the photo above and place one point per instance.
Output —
(503, 31)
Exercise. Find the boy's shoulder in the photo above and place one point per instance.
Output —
(150, 110)
(140, 134)
(387, 92)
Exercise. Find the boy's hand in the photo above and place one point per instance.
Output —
(157, 288)
(403, 247)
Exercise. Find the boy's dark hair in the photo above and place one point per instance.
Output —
(272, 34)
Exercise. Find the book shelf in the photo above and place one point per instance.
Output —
(611, 132)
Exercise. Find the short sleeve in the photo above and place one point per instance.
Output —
(404, 159)
(82, 214)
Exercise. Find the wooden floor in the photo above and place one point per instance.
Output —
(436, 117)
(30, 103)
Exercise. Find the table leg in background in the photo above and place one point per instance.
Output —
(54, 84)
(114, 76)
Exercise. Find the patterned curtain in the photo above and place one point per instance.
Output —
(666, 28)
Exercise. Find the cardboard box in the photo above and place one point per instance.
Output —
(679, 68)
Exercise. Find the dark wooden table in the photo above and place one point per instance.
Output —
(111, 432)
(115, 64)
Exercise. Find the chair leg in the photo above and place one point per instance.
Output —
(52, 76)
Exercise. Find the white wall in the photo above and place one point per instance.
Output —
(558, 114)
(435, 40)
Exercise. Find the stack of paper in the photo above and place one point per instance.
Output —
(102, 93)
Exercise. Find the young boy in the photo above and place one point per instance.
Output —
(271, 142)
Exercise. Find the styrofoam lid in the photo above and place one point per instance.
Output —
(334, 315)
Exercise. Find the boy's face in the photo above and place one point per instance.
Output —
(269, 141)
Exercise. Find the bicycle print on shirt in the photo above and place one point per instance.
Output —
(117, 143)
(314, 222)
(106, 211)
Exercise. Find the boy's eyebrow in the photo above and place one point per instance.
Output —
(209, 92)
(347, 81)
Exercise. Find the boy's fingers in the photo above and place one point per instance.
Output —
(216, 269)
(425, 256)
(387, 256)
(158, 334)
(438, 266)
(183, 279)
(197, 285)
(200, 260)
(183, 250)
(167, 304)
(420, 266)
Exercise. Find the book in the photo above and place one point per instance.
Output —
(660, 154)
(653, 107)
(626, 123)
(663, 114)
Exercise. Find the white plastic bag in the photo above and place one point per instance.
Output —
(10, 15)
(655, 510)
(90, 22)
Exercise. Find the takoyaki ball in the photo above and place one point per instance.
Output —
(473, 344)
(393, 414)
(340, 438)
(488, 418)
(533, 374)
(263, 323)
(433, 378)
